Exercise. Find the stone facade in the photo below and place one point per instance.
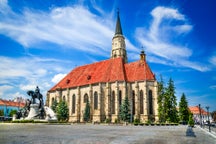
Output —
(105, 100)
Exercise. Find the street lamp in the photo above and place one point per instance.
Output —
(207, 107)
(200, 115)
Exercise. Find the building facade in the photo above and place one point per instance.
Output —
(6, 106)
(200, 115)
(105, 85)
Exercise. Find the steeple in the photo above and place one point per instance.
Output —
(118, 29)
(118, 42)
(142, 56)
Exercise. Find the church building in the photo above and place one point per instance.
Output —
(105, 85)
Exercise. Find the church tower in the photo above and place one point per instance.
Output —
(118, 42)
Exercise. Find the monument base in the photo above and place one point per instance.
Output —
(34, 112)
(50, 115)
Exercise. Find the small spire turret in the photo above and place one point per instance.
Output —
(142, 55)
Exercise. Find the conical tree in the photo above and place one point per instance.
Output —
(183, 109)
(125, 110)
(161, 101)
(62, 111)
(86, 116)
(170, 103)
(54, 105)
(191, 121)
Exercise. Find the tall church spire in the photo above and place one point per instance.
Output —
(118, 42)
(118, 29)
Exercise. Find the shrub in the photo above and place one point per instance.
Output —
(62, 111)
(108, 120)
(191, 121)
(1, 112)
(12, 112)
(136, 121)
(116, 121)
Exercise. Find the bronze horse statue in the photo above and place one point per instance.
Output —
(37, 95)
(34, 95)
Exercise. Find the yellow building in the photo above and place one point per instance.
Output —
(105, 85)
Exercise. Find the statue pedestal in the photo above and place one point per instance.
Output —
(50, 115)
(34, 111)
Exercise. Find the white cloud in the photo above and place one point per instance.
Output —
(73, 27)
(183, 28)
(58, 77)
(160, 13)
(27, 87)
(3, 89)
(130, 46)
(17, 94)
(4, 8)
(28, 67)
(194, 65)
(70, 27)
(12, 68)
(157, 40)
(25, 73)
(213, 60)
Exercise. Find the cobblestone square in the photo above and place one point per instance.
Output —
(101, 134)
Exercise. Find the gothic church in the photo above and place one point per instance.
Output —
(105, 85)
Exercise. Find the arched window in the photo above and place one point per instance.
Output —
(133, 102)
(150, 102)
(85, 98)
(120, 98)
(141, 102)
(63, 98)
(95, 100)
(113, 102)
(73, 103)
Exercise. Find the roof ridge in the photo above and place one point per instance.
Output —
(106, 71)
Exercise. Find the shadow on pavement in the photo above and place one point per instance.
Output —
(190, 132)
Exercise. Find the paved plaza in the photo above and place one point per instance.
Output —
(101, 134)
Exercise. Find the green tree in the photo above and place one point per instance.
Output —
(86, 116)
(125, 110)
(161, 101)
(12, 112)
(1, 112)
(191, 121)
(183, 109)
(170, 102)
(54, 105)
(62, 111)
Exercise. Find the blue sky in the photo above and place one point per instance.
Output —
(41, 41)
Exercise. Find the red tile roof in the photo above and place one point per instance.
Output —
(195, 110)
(11, 103)
(138, 70)
(110, 70)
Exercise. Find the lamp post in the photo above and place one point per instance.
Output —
(200, 115)
(131, 116)
(207, 107)
(19, 104)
